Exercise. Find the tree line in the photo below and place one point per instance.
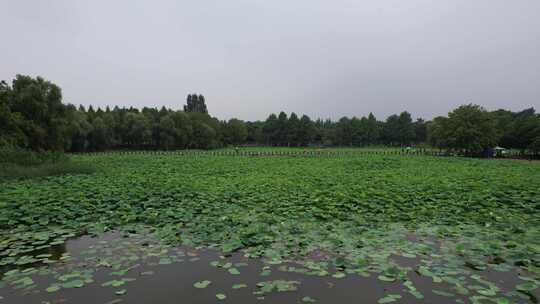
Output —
(32, 116)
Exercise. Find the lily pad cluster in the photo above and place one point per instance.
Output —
(120, 258)
(449, 220)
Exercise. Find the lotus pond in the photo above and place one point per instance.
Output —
(198, 228)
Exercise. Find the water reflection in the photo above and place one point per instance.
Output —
(157, 273)
(54, 253)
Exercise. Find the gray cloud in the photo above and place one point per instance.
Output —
(250, 58)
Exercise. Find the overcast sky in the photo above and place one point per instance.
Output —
(250, 58)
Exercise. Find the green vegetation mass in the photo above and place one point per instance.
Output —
(32, 116)
(289, 204)
(455, 218)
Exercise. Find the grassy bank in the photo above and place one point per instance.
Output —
(20, 163)
(11, 171)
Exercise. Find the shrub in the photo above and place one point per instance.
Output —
(22, 157)
(21, 163)
(12, 171)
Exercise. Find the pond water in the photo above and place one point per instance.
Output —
(136, 268)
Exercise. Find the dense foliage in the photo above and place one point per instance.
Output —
(472, 128)
(142, 187)
(455, 220)
(22, 163)
(33, 116)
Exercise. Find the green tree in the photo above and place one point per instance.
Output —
(80, 130)
(204, 136)
(255, 134)
(344, 132)
(306, 131)
(358, 131)
(470, 128)
(293, 126)
(137, 128)
(437, 131)
(535, 144)
(392, 130)
(271, 130)
(235, 131)
(406, 132)
(326, 132)
(10, 131)
(282, 129)
(420, 131)
(40, 114)
(153, 119)
(523, 129)
(184, 129)
(372, 130)
(195, 103)
(167, 132)
(98, 135)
